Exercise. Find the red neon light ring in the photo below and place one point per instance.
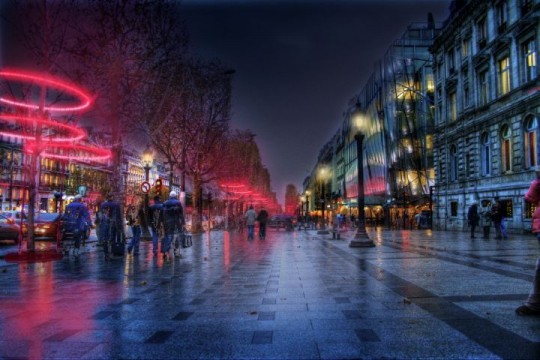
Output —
(73, 133)
(72, 151)
(84, 99)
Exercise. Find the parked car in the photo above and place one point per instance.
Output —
(47, 226)
(8, 229)
(281, 221)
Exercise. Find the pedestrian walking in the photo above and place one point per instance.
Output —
(156, 222)
(111, 228)
(251, 216)
(262, 218)
(75, 222)
(485, 218)
(473, 218)
(134, 216)
(173, 223)
(532, 305)
(497, 218)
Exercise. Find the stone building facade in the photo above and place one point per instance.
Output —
(487, 102)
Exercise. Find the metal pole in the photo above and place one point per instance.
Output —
(361, 238)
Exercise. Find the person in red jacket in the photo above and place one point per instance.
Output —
(532, 305)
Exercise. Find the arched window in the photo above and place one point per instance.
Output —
(506, 149)
(453, 163)
(485, 155)
(530, 136)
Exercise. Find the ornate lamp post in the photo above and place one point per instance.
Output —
(323, 175)
(361, 238)
(147, 159)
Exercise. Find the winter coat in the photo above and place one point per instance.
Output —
(472, 216)
(263, 216)
(251, 216)
(485, 216)
(533, 196)
(156, 214)
(173, 216)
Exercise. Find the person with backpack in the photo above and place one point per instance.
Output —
(75, 222)
(111, 228)
(173, 222)
(134, 217)
(156, 222)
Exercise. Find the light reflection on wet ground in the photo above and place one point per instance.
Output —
(293, 295)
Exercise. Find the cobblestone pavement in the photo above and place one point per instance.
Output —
(295, 295)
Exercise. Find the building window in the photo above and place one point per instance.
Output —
(507, 208)
(506, 149)
(531, 130)
(450, 62)
(481, 33)
(526, 6)
(485, 154)
(529, 60)
(452, 106)
(503, 69)
(483, 87)
(466, 96)
(502, 16)
(453, 208)
(469, 165)
(465, 48)
(453, 163)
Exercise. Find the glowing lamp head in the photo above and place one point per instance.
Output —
(324, 173)
(359, 119)
(308, 192)
(147, 156)
(303, 198)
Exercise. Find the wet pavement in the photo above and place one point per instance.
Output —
(295, 295)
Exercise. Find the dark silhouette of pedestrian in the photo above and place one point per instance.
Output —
(173, 223)
(251, 216)
(262, 218)
(497, 218)
(473, 218)
(532, 305)
(485, 218)
(111, 227)
(76, 220)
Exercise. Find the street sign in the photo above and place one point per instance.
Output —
(145, 187)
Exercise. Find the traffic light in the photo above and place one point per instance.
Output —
(158, 187)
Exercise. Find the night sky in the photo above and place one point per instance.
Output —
(297, 65)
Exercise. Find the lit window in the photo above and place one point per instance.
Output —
(465, 48)
(506, 149)
(531, 128)
(504, 75)
(485, 161)
(529, 60)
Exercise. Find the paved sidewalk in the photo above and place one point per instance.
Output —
(295, 295)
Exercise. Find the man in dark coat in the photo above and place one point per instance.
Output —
(82, 221)
(111, 229)
(262, 218)
(173, 221)
(473, 218)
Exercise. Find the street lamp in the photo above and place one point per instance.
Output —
(147, 159)
(361, 238)
(323, 175)
(307, 203)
